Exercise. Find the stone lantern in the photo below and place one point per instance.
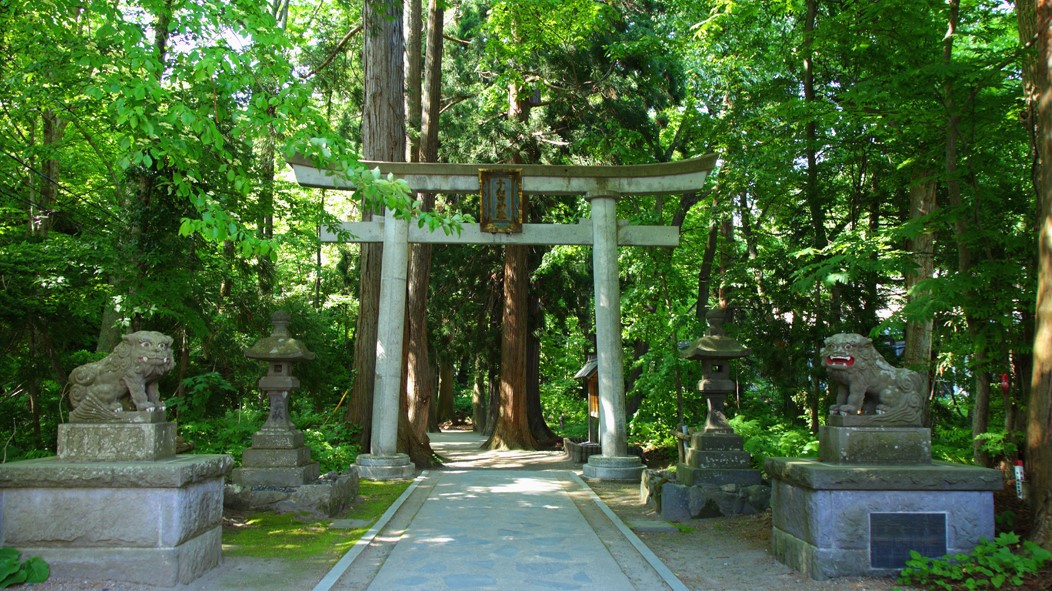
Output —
(715, 456)
(715, 350)
(277, 456)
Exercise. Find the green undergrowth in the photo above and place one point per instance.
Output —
(1004, 561)
(290, 537)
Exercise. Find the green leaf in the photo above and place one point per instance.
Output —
(37, 571)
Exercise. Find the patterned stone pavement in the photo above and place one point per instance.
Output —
(532, 525)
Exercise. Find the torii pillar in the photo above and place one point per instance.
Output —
(385, 463)
(602, 185)
(614, 463)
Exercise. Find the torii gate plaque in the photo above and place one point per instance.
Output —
(602, 186)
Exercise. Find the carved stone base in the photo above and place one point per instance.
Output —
(717, 459)
(393, 467)
(830, 520)
(278, 458)
(620, 468)
(116, 442)
(874, 445)
(151, 523)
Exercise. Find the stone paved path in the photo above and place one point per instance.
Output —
(530, 524)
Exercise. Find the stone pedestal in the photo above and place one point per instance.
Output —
(277, 474)
(277, 458)
(874, 496)
(715, 479)
(147, 522)
(624, 468)
(118, 442)
(385, 467)
(874, 445)
(718, 459)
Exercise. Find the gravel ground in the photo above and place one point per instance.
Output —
(722, 553)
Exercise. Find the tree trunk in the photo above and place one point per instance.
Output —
(360, 405)
(479, 396)
(446, 392)
(383, 139)
(811, 189)
(701, 307)
(1035, 23)
(420, 382)
(980, 354)
(917, 355)
(41, 214)
(512, 426)
(512, 429)
(414, 25)
(538, 426)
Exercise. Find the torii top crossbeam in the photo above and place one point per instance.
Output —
(640, 179)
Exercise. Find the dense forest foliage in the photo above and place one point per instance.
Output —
(876, 175)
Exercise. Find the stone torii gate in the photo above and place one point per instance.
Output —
(602, 186)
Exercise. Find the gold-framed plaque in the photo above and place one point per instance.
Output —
(502, 205)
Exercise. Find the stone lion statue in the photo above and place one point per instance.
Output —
(124, 380)
(866, 384)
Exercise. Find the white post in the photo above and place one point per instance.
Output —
(384, 462)
(614, 463)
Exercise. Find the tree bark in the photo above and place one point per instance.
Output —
(479, 396)
(965, 260)
(701, 307)
(1035, 23)
(414, 25)
(360, 405)
(512, 429)
(446, 392)
(383, 139)
(535, 413)
(420, 384)
(811, 188)
(917, 355)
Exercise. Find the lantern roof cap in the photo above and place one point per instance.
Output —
(715, 344)
(280, 345)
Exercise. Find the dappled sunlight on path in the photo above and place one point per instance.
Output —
(501, 520)
(462, 450)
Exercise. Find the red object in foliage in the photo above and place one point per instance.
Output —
(1004, 382)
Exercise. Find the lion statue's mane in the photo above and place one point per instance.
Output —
(866, 384)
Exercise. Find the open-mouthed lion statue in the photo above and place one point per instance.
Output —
(100, 390)
(866, 384)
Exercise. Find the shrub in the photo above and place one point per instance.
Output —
(990, 565)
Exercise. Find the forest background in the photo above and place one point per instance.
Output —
(880, 172)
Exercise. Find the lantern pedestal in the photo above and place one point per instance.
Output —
(276, 458)
(717, 459)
